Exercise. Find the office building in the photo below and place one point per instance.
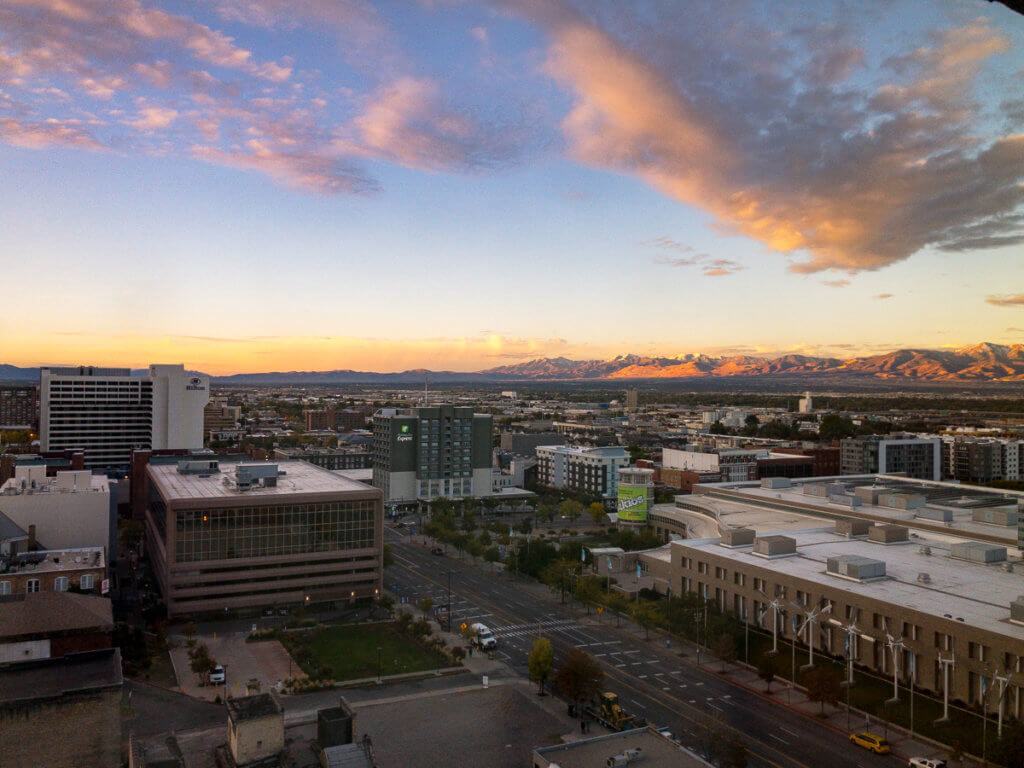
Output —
(246, 536)
(527, 443)
(632, 399)
(944, 599)
(915, 457)
(590, 470)
(106, 412)
(73, 509)
(342, 419)
(218, 416)
(19, 407)
(430, 451)
(806, 404)
(982, 460)
(730, 465)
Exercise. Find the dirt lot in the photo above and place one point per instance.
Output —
(266, 661)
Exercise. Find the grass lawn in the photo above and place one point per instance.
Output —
(351, 651)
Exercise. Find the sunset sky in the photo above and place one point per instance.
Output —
(256, 185)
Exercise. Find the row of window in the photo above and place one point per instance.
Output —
(60, 584)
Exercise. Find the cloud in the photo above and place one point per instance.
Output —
(153, 118)
(669, 244)
(883, 295)
(835, 283)
(1006, 300)
(852, 174)
(47, 133)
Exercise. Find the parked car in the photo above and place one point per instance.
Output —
(871, 742)
(926, 762)
(437, 551)
(217, 676)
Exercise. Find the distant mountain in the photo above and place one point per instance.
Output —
(978, 364)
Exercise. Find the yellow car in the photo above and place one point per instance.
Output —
(871, 742)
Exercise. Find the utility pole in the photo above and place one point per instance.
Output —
(449, 599)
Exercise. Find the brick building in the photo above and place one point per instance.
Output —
(43, 625)
(53, 570)
(19, 407)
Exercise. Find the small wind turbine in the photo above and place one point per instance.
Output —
(773, 605)
(810, 617)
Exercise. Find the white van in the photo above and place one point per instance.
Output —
(483, 638)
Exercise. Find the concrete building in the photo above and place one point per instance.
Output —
(334, 459)
(245, 536)
(430, 451)
(941, 598)
(632, 399)
(53, 570)
(806, 404)
(62, 712)
(915, 457)
(106, 412)
(72, 509)
(735, 465)
(218, 416)
(19, 406)
(982, 460)
(527, 443)
(44, 625)
(591, 470)
(645, 746)
(255, 728)
(342, 419)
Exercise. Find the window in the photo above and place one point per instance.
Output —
(5, 587)
(60, 584)
(32, 585)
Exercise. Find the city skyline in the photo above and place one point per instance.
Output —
(246, 186)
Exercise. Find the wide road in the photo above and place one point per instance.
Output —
(651, 680)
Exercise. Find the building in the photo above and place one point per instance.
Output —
(255, 728)
(344, 419)
(943, 598)
(806, 404)
(915, 457)
(632, 399)
(218, 416)
(53, 570)
(527, 443)
(590, 470)
(635, 495)
(645, 746)
(106, 412)
(73, 509)
(735, 465)
(245, 536)
(44, 625)
(430, 451)
(62, 712)
(334, 459)
(19, 407)
(982, 460)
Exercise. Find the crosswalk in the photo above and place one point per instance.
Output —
(519, 630)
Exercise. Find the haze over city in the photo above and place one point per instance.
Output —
(248, 185)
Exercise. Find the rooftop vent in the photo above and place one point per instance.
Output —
(978, 552)
(774, 546)
(1017, 610)
(625, 757)
(924, 577)
(198, 467)
(855, 567)
(775, 483)
(852, 528)
(925, 550)
(737, 537)
(888, 534)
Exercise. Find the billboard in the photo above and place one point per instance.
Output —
(632, 506)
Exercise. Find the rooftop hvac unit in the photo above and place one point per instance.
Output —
(925, 550)
(625, 758)
(1008, 567)
(924, 577)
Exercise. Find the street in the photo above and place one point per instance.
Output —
(651, 680)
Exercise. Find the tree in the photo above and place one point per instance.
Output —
(835, 427)
(646, 615)
(540, 660)
(823, 685)
(570, 508)
(1009, 750)
(766, 669)
(492, 555)
(525, 526)
(426, 603)
(130, 534)
(724, 647)
(597, 511)
(579, 676)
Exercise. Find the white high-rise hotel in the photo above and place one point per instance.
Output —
(106, 412)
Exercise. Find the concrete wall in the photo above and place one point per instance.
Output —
(256, 739)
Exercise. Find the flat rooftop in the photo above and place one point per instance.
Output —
(658, 751)
(944, 495)
(53, 561)
(47, 678)
(300, 477)
(979, 595)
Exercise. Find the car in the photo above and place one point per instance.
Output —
(926, 762)
(872, 742)
(437, 551)
(217, 676)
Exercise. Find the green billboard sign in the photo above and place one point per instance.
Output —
(632, 506)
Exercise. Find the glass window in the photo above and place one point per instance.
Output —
(5, 587)
(87, 581)
(60, 584)
(32, 585)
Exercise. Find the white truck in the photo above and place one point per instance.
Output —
(483, 638)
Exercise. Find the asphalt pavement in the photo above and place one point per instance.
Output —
(652, 680)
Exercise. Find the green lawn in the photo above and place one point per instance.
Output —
(351, 652)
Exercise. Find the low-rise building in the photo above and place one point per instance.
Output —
(53, 570)
(43, 625)
(62, 712)
(243, 536)
(645, 746)
(915, 457)
(346, 457)
(255, 728)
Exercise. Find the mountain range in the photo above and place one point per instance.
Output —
(978, 364)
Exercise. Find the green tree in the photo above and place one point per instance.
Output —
(579, 676)
(835, 427)
(426, 603)
(599, 514)
(645, 615)
(823, 685)
(492, 555)
(540, 661)
(570, 508)
(724, 647)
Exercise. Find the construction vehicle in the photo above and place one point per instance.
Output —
(606, 710)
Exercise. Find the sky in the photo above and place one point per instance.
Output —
(256, 185)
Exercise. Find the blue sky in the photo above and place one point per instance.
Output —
(248, 185)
